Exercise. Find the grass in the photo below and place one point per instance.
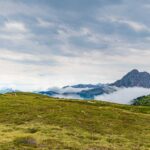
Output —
(31, 121)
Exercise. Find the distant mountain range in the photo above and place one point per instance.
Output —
(83, 91)
(88, 91)
(85, 86)
(91, 93)
(7, 90)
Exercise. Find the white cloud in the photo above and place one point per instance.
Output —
(15, 31)
(45, 23)
(135, 25)
(13, 26)
(124, 95)
(18, 56)
(14, 37)
(67, 90)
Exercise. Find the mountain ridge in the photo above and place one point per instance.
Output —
(134, 78)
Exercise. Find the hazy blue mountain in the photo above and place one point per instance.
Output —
(81, 90)
(88, 91)
(134, 79)
(91, 93)
(6, 90)
(48, 93)
(84, 86)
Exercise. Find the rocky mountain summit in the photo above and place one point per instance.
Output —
(134, 79)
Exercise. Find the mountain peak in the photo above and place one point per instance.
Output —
(134, 79)
(134, 71)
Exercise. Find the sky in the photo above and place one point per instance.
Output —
(46, 43)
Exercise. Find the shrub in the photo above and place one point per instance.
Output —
(32, 130)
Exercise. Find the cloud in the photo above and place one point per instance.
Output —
(18, 56)
(136, 26)
(124, 95)
(13, 26)
(132, 24)
(67, 90)
(54, 43)
(45, 23)
(14, 31)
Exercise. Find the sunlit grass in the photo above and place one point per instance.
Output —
(32, 121)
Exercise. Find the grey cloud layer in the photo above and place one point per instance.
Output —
(82, 34)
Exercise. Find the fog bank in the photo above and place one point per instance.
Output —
(124, 95)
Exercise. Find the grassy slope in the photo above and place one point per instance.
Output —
(30, 121)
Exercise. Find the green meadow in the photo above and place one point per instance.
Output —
(31, 121)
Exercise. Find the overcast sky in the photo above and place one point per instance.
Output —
(46, 43)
